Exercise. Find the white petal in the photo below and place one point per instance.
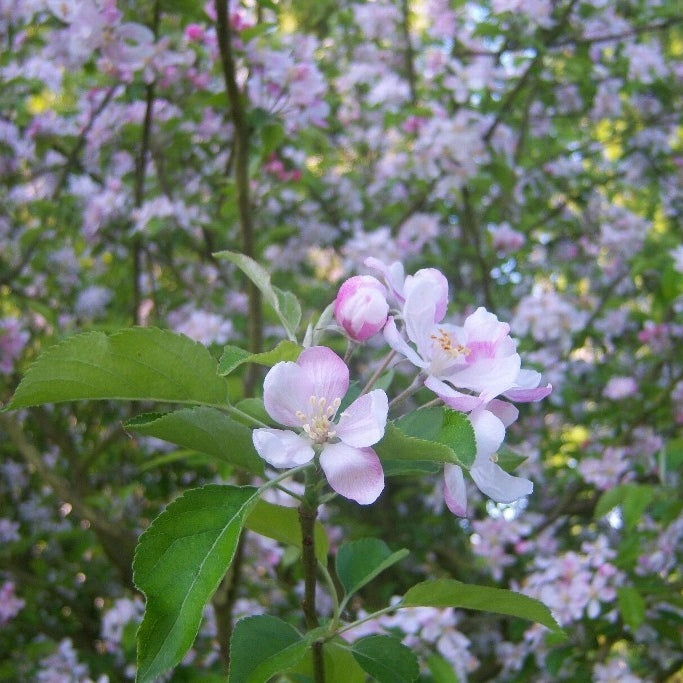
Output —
(282, 448)
(397, 343)
(455, 490)
(497, 484)
(363, 422)
(489, 433)
(489, 376)
(354, 473)
(287, 389)
(327, 372)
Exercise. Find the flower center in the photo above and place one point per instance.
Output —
(445, 341)
(318, 420)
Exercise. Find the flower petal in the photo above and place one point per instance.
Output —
(526, 387)
(327, 372)
(455, 490)
(363, 422)
(399, 344)
(282, 448)
(497, 484)
(489, 433)
(504, 411)
(287, 389)
(452, 398)
(354, 473)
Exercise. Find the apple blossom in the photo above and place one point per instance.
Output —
(306, 395)
(491, 479)
(361, 307)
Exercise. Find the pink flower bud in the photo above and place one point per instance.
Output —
(361, 307)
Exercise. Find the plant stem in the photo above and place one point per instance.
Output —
(378, 372)
(242, 143)
(308, 511)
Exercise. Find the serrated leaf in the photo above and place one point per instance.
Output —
(386, 659)
(262, 646)
(358, 562)
(632, 606)
(282, 524)
(178, 564)
(203, 429)
(422, 424)
(281, 302)
(452, 593)
(137, 364)
(233, 356)
(395, 445)
(458, 434)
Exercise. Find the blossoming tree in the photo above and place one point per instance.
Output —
(341, 340)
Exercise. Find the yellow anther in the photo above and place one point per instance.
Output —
(446, 343)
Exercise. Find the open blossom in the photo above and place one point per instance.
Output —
(491, 479)
(361, 307)
(306, 396)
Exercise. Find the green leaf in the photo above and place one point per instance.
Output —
(457, 433)
(398, 468)
(233, 356)
(386, 659)
(262, 646)
(340, 665)
(452, 593)
(179, 562)
(441, 670)
(631, 605)
(509, 460)
(395, 445)
(282, 524)
(358, 562)
(285, 304)
(633, 498)
(253, 409)
(140, 363)
(203, 429)
(422, 424)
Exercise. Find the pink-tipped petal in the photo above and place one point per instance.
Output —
(497, 484)
(363, 422)
(355, 473)
(287, 389)
(327, 372)
(452, 398)
(282, 448)
(455, 490)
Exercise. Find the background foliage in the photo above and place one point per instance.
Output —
(530, 150)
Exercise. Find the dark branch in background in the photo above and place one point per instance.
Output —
(408, 52)
(140, 176)
(118, 544)
(471, 226)
(241, 162)
(511, 95)
(71, 161)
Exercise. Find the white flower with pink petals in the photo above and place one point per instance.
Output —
(306, 396)
(491, 479)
